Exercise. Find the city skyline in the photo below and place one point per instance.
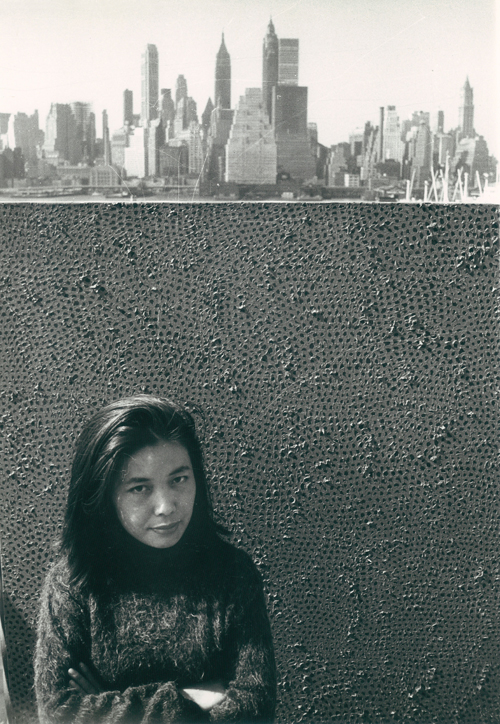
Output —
(414, 58)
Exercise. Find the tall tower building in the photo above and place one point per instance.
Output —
(206, 118)
(270, 64)
(154, 140)
(288, 61)
(207, 115)
(440, 122)
(81, 112)
(195, 146)
(251, 148)
(85, 131)
(473, 156)
(128, 107)
(149, 84)
(443, 147)
(167, 111)
(393, 146)
(4, 124)
(419, 117)
(223, 77)
(105, 138)
(181, 89)
(60, 135)
(291, 132)
(221, 121)
(28, 137)
(185, 113)
(466, 111)
(380, 144)
(422, 159)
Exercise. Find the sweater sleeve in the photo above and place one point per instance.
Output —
(62, 643)
(251, 690)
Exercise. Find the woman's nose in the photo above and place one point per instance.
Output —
(164, 503)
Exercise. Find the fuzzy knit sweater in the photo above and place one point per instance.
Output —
(158, 624)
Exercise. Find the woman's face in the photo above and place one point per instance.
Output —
(154, 494)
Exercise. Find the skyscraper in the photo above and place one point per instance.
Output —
(27, 136)
(167, 106)
(466, 111)
(207, 115)
(270, 63)
(4, 123)
(393, 146)
(472, 156)
(223, 77)
(380, 143)
(167, 111)
(443, 147)
(221, 121)
(422, 159)
(206, 118)
(185, 113)
(440, 122)
(195, 146)
(288, 61)
(85, 131)
(291, 132)
(105, 138)
(149, 84)
(419, 117)
(181, 89)
(128, 107)
(155, 138)
(251, 148)
(289, 113)
(60, 135)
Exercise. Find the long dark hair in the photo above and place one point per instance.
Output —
(118, 430)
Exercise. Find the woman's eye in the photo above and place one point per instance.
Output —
(179, 479)
(137, 489)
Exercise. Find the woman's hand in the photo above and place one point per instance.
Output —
(82, 680)
(205, 696)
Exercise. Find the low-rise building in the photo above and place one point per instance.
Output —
(352, 180)
(104, 177)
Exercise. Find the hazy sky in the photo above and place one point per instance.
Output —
(355, 55)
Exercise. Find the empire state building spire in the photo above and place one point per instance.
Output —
(223, 77)
(466, 111)
(270, 65)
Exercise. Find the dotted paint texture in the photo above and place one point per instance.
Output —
(346, 360)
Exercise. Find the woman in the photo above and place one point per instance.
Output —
(148, 615)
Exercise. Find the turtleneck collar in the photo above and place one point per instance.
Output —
(131, 562)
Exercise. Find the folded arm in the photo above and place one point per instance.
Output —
(207, 696)
(250, 694)
(68, 692)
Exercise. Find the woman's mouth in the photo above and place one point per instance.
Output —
(166, 528)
